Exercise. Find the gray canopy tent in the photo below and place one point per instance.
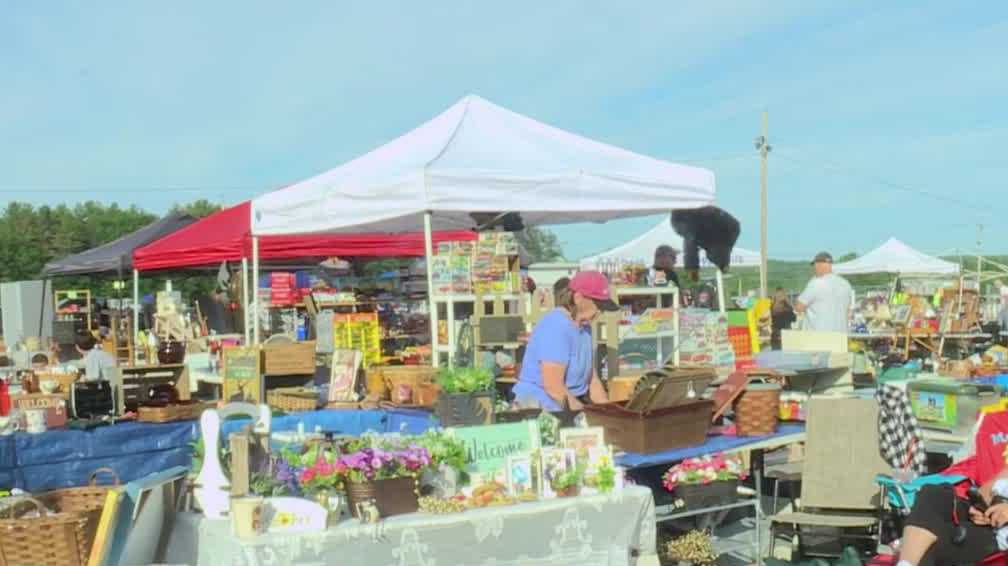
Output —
(116, 257)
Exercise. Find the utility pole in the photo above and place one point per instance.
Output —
(979, 258)
(763, 146)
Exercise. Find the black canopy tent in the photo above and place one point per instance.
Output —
(116, 257)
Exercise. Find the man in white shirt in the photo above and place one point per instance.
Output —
(96, 361)
(826, 300)
(1003, 306)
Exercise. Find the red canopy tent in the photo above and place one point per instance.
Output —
(226, 236)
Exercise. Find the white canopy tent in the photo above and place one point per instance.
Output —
(896, 257)
(479, 157)
(640, 250)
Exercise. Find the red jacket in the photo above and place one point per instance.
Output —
(989, 460)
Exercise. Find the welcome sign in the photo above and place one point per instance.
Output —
(488, 446)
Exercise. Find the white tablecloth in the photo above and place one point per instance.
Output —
(613, 530)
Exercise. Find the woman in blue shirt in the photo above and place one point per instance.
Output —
(557, 370)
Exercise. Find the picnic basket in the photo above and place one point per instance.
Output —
(169, 412)
(49, 538)
(292, 399)
(86, 500)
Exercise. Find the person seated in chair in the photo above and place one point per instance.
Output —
(943, 526)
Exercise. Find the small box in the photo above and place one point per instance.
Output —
(297, 358)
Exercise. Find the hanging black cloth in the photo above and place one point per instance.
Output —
(488, 221)
(708, 228)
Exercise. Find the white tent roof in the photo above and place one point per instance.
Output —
(641, 250)
(896, 257)
(479, 157)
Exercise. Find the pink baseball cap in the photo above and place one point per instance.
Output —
(595, 286)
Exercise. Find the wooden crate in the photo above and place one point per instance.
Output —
(297, 358)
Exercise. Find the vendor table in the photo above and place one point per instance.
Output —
(616, 529)
(64, 458)
(786, 434)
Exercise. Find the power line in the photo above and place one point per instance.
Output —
(974, 207)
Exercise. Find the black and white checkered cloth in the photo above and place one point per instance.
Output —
(901, 441)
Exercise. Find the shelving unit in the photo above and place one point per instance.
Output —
(74, 296)
(659, 293)
(512, 302)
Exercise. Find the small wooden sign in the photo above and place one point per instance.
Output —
(55, 407)
(241, 373)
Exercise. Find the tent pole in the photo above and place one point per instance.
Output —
(431, 303)
(255, 290)
(720, 291)
(245, 299)
(136, 307)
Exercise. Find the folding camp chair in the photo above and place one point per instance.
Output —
(838, 476)
(899, 496)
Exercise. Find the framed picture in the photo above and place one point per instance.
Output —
(519, 476)
(241, 374)
(554, 462)
(581, 440)
(343, 379)
(901, 314)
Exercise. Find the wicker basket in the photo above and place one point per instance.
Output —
(757, 410)
(48, 539)
(181, 411)
(87, 500)
(393, 376)
(292, 400)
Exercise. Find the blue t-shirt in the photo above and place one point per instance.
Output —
(559, 340)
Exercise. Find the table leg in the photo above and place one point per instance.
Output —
(756, 468)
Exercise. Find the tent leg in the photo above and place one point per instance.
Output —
(255, 290)
(245, 299)
(431, 303)
(136, 307)
(720, 291)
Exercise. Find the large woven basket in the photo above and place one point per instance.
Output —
(393, 376)
(87, 500)
(292, 399)
(46, 540)
(757, 410)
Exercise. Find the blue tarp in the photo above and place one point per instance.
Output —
(713, 445)
(66, 458)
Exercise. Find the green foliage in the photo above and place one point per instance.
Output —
(199, 208)
(32, 236)
(570, 478)
(540, 244)
(606, 478)
(465, 380)
(443, 449)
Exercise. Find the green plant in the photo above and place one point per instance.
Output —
(465, 380)
(606, 479)
(568, 479)
(443, 449)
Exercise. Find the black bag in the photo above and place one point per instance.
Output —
(92, 399)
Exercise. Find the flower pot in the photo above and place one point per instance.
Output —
(699, 495)
(570, 491)
(171, 352)
(396, 496)
(466, 409)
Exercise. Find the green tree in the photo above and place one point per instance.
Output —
(198, 208)
(540, 244)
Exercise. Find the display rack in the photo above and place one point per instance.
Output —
(73, 297)
(659, 293)
(441, 350)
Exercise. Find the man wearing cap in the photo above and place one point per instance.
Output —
(826, 300)
(557, 370)
(663, 270)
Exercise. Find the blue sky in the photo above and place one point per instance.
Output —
(887, 118)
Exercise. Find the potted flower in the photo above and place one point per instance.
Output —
(705, 481)
(387, 477)
(466, 396)
(448, 462)
(567, 484)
